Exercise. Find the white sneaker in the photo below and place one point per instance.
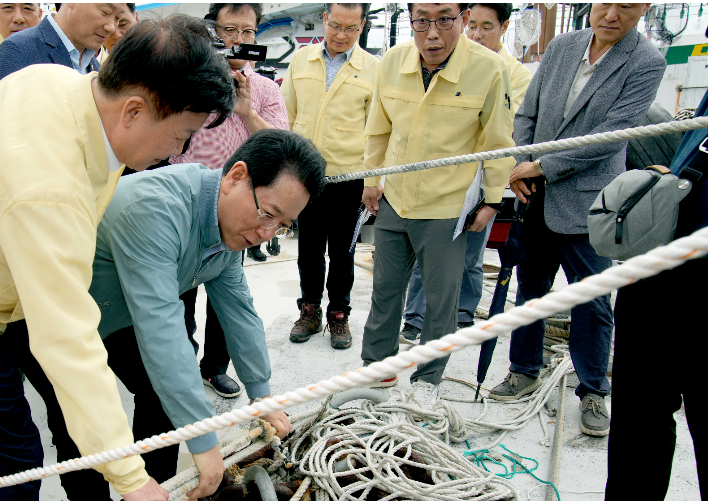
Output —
(425, 394)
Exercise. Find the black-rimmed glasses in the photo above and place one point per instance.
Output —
(443, 23)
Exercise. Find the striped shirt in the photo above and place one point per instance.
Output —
(213, 147)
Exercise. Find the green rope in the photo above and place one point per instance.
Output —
(481, 455)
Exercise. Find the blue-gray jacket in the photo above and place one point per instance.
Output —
(150, 248)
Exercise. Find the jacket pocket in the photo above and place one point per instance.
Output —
(454, 121)
(345, 141)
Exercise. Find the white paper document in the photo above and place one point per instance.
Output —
(474, 194)
(362, 219)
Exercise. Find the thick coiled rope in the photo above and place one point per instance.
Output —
(637, 268)
(533, 149)
(353, 451)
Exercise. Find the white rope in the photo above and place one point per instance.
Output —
(572, 142)
(298, 495)
(652, 263)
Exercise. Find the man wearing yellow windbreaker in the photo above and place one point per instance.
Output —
(62, 147)
(438, 96)
(328, 91)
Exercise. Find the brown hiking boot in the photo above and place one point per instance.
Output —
(340, 337)
(311, 322)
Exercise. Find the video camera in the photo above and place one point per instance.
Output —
(245, 51)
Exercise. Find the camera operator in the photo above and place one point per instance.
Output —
(259, 105)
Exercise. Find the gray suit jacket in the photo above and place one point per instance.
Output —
(617, 96)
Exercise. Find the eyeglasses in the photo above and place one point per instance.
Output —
(443, 23)
(268, 222)
(348, 31)
(248, 35)
(485, 30)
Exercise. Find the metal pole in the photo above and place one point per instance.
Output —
(554, 474)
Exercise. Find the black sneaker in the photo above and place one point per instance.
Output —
(256, 254)
(223, 385)
(409, 334)
(463, 325)
(595, 416)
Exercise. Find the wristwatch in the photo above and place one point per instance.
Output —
(538, 167)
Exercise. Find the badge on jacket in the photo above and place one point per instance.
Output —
(507, 101)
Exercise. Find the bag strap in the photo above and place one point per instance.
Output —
(661, 169)
(631, 201)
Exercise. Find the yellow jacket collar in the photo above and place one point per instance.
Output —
(90, 127)
(452, 72)
(356, 58)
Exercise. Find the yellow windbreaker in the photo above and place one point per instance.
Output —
(465, 110)
(54, 187)
(520, 77)
(333, 120)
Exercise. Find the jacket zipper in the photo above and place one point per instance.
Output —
(199, 270)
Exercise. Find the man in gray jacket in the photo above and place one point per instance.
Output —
(599, 79)
(165, 232)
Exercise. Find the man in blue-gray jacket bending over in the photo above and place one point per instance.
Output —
(167, 231)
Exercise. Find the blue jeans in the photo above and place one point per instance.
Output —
(471, 283)
(592, 322)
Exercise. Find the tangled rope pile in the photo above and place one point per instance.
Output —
(382, 451)
(652, 263)
(391, 447)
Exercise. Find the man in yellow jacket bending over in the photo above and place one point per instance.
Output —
(440, 95)
(63, 139)
(328, 90)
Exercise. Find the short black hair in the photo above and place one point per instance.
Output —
(269, 153)
(215, 8)
(462, 6)
(503, 10)
(365, 8)
(132, 7)
(171, 63)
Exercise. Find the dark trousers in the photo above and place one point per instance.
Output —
(20, 445)
(592, 322)
(651, 316)
(398, 242)
(148, 417)
(216, 358)
(331, 220)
